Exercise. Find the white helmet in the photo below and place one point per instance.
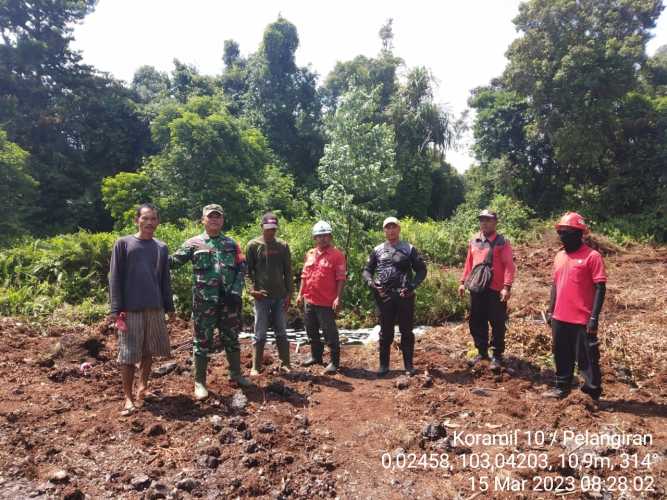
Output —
(322, 228)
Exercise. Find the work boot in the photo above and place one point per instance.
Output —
(496, 363)
(332, 367)
(257, 359)
(200, 364)
(385, 349)
(594, 393)
(315, 355)
(234, 359)
(478, 360)
(556, 393)
(283, 353)
(407, 361)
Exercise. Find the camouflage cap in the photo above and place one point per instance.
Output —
(213, 207)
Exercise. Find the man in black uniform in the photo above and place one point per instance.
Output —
(389, 272)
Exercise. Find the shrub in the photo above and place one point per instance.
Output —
(69, 273)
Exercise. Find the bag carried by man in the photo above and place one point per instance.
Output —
(481, 275)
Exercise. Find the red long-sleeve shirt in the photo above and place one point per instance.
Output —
(503, 260)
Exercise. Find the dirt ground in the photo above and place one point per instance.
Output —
(352, 435)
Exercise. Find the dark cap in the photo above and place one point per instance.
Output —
(269, 221)
(213, 207)
(487, 214)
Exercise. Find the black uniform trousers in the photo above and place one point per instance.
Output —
(392, 309)
(485, 308)
(572, 344)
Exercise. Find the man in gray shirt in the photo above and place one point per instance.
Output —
(140, 292)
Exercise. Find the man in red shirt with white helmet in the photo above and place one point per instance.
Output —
(322, 282)
(577, 295)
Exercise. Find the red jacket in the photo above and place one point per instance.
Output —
(503, 261)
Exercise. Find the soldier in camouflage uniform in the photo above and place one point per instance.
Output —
(218, 276)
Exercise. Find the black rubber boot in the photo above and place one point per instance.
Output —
(496, 363)
(385, 350)
(257, 359)
(557, 393)
(408, 352)
(333, 365)
(315, 357)
(234, 359)
(283, 353)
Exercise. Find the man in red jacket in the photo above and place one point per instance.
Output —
(489, 305)
(577, 295)
(322, 282)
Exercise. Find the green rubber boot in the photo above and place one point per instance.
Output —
(257, 359)
(283, 353)
(234, 359)
(200, 365)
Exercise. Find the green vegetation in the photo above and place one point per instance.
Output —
(576, 121)
(68, 274)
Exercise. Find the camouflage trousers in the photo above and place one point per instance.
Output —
(206, 319)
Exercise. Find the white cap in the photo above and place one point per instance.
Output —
(322, 227)
(390, 220)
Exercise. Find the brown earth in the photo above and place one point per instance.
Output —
(304, 435)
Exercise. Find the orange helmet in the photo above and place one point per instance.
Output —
(572, 220)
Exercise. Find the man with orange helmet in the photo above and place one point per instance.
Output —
(577, 295)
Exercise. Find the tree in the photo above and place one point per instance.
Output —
(655, 73)
(574, 122)
(282, 101)
(234, 80)
(231, 53)
(123, 192)
(363, 72)
(275, 192)
(357, 170)
(187, 82)
(77, 125)
(387, 36)
(150, 84)
(515, 160)
(206, 155)
(576, 60)
(423, 132)
(447, 191)
(87, 135)
(17, 189)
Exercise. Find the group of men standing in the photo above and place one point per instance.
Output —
(140, 291)
(576, 298)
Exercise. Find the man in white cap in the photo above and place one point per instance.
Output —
(322, 283)
(389, 272)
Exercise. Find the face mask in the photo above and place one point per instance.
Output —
(571, 239)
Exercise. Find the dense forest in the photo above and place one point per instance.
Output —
(577, 120)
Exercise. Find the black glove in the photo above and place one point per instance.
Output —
(548, 317)
(233, 300)
(592, 326)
